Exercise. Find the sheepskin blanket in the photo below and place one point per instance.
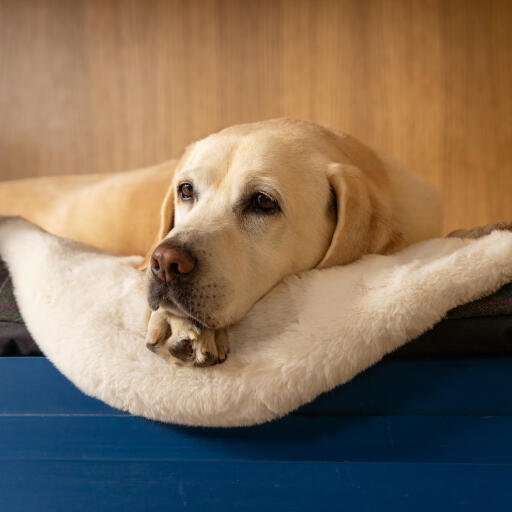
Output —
(87, 311)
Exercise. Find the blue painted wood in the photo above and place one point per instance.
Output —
(449, 386)
(405, 435)
(436, 385)
(468, 439)
(252, 486)
(32, 385)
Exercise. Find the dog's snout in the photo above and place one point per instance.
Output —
(169, 262)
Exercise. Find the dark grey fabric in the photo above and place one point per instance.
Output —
(8, 308)
(15, 340)
(478, 336)
(496, 304)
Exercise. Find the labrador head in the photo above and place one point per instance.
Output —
(254, 203)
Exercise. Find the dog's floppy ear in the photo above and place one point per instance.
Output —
(364, 210)
(164, 226)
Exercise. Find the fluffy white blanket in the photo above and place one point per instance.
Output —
(86, 310)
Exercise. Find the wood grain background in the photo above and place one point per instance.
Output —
(100, 85)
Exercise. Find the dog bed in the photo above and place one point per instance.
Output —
(86, 310)
(480, 327)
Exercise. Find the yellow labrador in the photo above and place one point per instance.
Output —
(254, 203)
(246, 207)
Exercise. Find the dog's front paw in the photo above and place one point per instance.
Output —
(193, 346)
(210, 347)
(181, 340)
(158, 331)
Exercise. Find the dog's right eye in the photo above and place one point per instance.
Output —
(186, 191)
(260, 202)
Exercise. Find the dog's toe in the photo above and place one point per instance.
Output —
(204, 359)
(181, 340)
(158, 332)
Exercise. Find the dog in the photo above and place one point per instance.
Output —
(241, 210)
(254, 203)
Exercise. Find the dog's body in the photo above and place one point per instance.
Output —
(241, 210)
(119, 213)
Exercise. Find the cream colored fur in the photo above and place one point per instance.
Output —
(310, 333)
(119, 213)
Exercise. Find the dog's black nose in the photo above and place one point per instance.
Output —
(169, 262)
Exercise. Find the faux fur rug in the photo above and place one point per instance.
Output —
(86, 310)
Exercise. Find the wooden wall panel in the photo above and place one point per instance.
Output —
(102, 85)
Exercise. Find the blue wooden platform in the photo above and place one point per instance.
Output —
(408, 434)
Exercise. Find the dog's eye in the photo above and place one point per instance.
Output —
(263, 203)
(186, 191)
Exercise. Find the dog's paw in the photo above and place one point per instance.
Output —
(480, 231)
(159, 330)
(209, 348)
(181, 340)
(193, 346)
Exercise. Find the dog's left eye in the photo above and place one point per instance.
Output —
(263, 203)
(186, 191)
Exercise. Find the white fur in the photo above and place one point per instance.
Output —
(86, 310)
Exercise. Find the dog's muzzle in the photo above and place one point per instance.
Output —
(173, 269)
